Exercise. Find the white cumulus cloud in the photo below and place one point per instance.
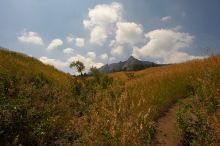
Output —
(54, 44)
(104, 56)
(70, 39)
(166, 45)
(129, 33)
(98, 35)
(91, 55)
(104, 14)
(118, 50)
(54, 62)
(80, 42)
(68, 51)
(87, 24)
(101, 20)
(30, 38)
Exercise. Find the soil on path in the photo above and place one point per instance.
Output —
(165, 131)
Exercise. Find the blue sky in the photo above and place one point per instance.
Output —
(104, 31)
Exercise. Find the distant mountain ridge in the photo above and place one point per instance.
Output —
(132, 64)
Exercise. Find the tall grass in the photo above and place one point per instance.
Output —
(37, 106)
(125, 113)
(41, 105)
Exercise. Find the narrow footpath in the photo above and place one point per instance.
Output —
(166, 133)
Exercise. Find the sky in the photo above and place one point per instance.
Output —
(98, 32)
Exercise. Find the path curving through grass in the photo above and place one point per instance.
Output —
(165, 131)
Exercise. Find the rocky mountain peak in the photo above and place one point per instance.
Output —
(132, 58)
(131, 64)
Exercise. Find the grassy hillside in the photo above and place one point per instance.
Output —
(125, 113)
(36, 102)
(40, 105)
(20, 64)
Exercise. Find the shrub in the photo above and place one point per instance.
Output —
(194, 126)
(96, 74)
(130, 75)
(193, 118)
(40, 80)
(106, 81)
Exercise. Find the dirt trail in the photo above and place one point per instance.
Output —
(166, 134)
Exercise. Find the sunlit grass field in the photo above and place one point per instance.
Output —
(41, 105)
(17, 63)
(143, 96)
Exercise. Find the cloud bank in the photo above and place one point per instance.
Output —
(166, 45)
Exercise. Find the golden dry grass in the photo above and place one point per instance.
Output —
(125, 112)
(137, 102)
(20, 64)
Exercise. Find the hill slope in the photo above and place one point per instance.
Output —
(35, 101)
(40, 105)
(17, 63)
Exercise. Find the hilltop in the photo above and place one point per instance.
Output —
(131, 64)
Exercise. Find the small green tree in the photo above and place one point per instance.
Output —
(96, 73)
(78, 65)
